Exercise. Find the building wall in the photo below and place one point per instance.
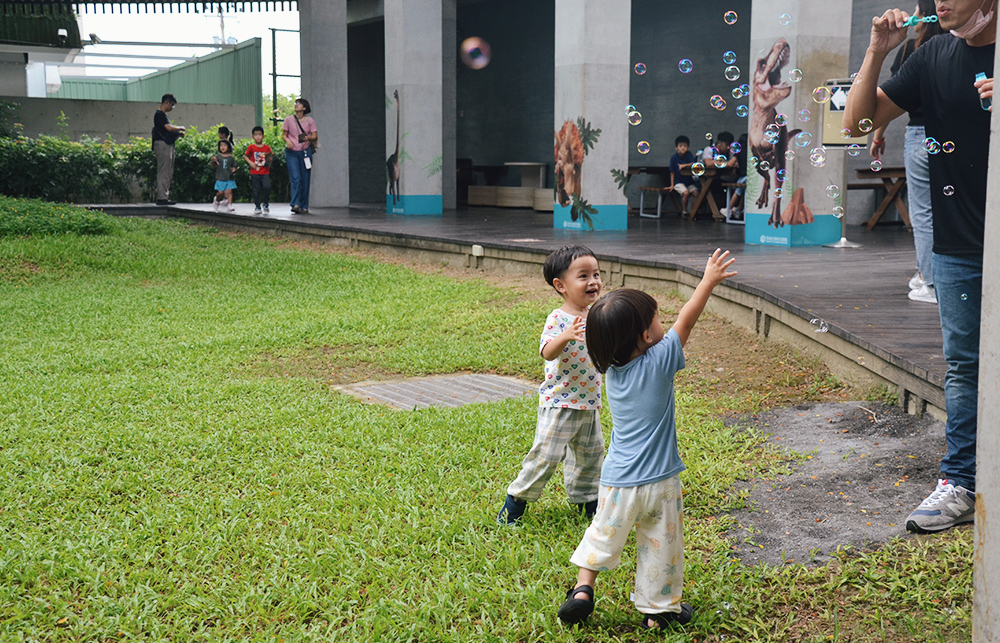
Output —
(367, 105)
(120, 120)
(505, 111)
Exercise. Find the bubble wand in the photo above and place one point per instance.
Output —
(912, 20)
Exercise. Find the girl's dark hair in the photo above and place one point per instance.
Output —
(229, 146)
(615, 324)
(305, 104)
(557, 263)
(927, 29)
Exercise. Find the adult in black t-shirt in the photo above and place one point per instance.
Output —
(164, 136)
(940, 78)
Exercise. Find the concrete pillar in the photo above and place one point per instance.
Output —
(813, 38)
(986, 572)
(449, 94)
(592, 67)
(413, 84)
(323, 51)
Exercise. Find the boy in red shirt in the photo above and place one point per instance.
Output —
(259, 156)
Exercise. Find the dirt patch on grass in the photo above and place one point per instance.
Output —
(325, 363)
(14, 270)
(868, 465)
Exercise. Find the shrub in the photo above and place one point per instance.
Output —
(27, 217)
(92, 171)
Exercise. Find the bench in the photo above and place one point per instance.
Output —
(659, 201)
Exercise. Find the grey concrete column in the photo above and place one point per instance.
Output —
(813, 38)
(592, 67)
(323, 47)
(413, 83)
(449, 94)
(986, 572)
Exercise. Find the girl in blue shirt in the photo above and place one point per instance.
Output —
(639, 480)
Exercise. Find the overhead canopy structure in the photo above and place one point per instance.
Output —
(9, 7)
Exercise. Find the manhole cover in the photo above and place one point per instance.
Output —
(441, 390)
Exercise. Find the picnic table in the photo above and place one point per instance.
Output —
(893, 180)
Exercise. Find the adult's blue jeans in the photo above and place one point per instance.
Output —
(958, 283)
(918, 189)
(298, 176)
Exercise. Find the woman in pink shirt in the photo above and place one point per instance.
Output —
(299, 132)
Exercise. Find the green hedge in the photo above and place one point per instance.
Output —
(27, 217)
(92, 171)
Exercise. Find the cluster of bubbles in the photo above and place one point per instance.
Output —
(817, 156)
(932, 146)
(640, 68)
(821, 326)
(718, 102)
(475, 53)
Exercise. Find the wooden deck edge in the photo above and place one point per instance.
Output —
(849, 358)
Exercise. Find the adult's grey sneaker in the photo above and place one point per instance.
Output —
(924, 293)
(916, 281)
(947, 506)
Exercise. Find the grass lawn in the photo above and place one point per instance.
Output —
(175, 465)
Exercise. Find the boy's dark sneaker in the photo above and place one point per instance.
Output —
(511, 511)
(588, 508)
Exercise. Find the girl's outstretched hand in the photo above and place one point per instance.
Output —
(717, 267)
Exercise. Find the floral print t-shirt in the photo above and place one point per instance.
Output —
(571, 381)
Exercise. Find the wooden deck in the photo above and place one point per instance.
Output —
(861, 293)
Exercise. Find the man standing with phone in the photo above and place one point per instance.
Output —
(164, 136)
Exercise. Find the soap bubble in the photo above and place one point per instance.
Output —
(876, 165)
(718, 102)
(817, 156)
(803, 139)
(634, 118)
(964, 297)
(781, 175)
(737, 93)
(789, 154)
(949, 190)
(708, 136)
(730, 17)
(772, 127)
(838, 211)
(735, 148)
(845, 133)
(784, 20)
(729, 57)
(720, 160)
(931, 145)
(752, 162)
(821, 326)
(861, 360)
(765, 166)
(643, 147)
(947, 147)
(771, 137)
(475, 53)
(742, 111)
(833, 191)
(804, 115)
(629, 109)
(698, 168)
(778, 192)
(745, 88)
(685, 66)
(732, 73)
(640, 68)
(781, 119)
(795, 75)
(853, 149)
(865, 125)
(821, 94)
